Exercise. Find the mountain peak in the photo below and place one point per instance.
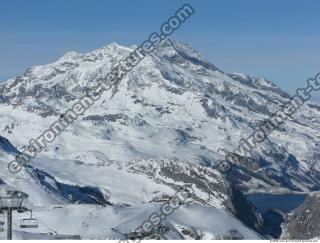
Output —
(113, 45)
(69, 56)
(173, 106)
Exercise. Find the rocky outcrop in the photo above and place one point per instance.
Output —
(304, 222)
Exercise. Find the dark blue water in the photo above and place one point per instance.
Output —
(285, 202)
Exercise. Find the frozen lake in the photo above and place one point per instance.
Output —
(285, 202)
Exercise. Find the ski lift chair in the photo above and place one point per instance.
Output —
(30, 222)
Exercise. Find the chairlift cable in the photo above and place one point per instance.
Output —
(54, 231)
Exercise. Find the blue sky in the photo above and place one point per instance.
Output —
(278, 40)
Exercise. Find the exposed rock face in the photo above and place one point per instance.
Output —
(304, 223)
(244, 210)
(6, 146)
(272, 222)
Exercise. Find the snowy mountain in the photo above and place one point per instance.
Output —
(169, 122)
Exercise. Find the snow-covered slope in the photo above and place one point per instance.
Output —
(174, 105)
(167, 123)
(110, 200)
(113, 222)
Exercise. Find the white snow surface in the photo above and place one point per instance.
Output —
(173, 108)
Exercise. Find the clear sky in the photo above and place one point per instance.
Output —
(275, 39)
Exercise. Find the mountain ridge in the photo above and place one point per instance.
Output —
(173, 110)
